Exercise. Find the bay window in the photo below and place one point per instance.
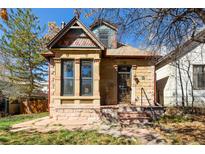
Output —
(68, 77)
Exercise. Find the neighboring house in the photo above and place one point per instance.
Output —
(11, 99)
(43, 87)
(89, 70)
(184, 67)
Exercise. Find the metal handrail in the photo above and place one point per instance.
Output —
(152, 110)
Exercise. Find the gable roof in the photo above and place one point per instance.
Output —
(48, 54)
(129, 51)
(103, 22)
(188, 46)
(68, 26)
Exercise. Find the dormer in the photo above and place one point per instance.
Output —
(106, 33)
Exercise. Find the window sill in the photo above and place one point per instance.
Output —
(78, 97)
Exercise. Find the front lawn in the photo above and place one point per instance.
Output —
(57, 137)
(182, 129)
(6, 122)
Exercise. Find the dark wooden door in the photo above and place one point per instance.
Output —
(124, 84)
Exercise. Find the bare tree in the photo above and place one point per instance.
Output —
(181, 82)
(53, 29)
(159, 28)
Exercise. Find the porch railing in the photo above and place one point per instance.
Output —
(154, 115)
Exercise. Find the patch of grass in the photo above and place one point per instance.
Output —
(173, 119)
(53, 138)
(62, 137)
(3, 139)
(6, 122)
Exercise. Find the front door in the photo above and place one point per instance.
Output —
(124, 84)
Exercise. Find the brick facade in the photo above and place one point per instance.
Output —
(142, 69)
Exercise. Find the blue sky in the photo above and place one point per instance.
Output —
(60, 14)
(57, 15)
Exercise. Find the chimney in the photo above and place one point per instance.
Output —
(63, 24)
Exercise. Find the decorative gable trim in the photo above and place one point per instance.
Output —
(72, 25)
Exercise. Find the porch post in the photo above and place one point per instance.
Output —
(116, 83)
(133, 85)
(57, 79)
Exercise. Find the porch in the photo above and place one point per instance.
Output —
(127, 81)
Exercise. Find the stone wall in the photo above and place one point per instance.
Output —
(143, 69)
(74, 107)
(78, 115)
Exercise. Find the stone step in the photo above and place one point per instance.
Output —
(130, 108)
(130, 118)
(132, 114)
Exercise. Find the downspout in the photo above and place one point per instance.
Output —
(49, 85)
(155, 87)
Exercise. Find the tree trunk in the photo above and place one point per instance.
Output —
(191, 83)
(181, 84)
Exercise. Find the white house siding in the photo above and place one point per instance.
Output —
(169, 85)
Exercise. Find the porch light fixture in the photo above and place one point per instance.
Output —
(143, 77)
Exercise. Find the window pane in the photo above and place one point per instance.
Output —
(103, 35)
(68, 68)
(199, 77)
(86, 87)
(68, 87)
(67, 81)
(195, 81)
(86, 77)
(86, 69)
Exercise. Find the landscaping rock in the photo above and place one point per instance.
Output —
(105, 127)
(115, 133)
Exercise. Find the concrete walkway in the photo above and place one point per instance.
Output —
(46, 124)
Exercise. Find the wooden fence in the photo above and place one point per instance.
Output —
(34, 106)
